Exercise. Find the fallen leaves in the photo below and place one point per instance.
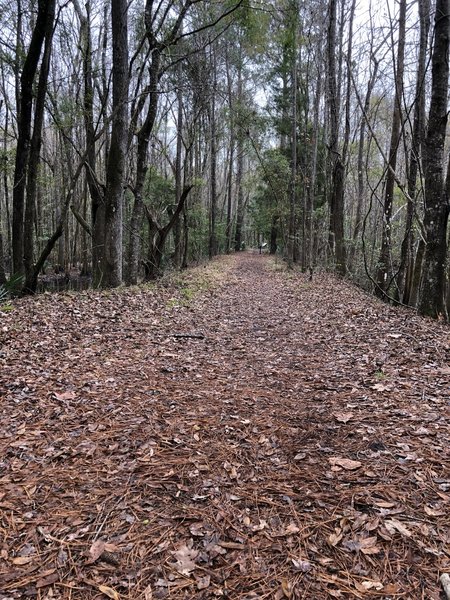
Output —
(289, 453)
(365, 545)
(393, 526)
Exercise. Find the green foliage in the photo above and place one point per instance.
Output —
(255, 28)
(11, 288)
(271, 197)
(159, 191)
(198, 232)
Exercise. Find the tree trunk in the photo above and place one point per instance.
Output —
(178, 172)
(417, 272)
(110, 272)
(24, 111)
(96, 190)
(239, 167)
(308, 241)
(31, 281)
(184, 262)
(273, 246)
(35, 146)
(384, 272)
(158, 236)
(212, 247)
(293, 182)
(229, 226)
(2, 262)
(336, 196)
(433, 286)
(361, 175)
(144, 133)
(405, 274)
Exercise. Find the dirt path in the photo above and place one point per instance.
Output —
(243, 433)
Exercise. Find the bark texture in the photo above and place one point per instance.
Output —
(433, 285)
(108, 273)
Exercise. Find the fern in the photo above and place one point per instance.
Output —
(11, 288)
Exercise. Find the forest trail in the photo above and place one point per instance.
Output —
(239, 432)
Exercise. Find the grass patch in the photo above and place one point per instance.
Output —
(187, 285)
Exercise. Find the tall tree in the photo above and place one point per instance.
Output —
(336, 200)
(24, 129)
(238, 235)
(437, 190)
(213, 246)
(384, 272)
(108, 271)
(31, 273)
(294, 17)
(405, 275)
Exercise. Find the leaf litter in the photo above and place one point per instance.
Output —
(257, 436)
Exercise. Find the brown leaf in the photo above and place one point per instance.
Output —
(197, 529)
(49, 578)
(300, 456)
(379, 387)
(291, 529)
(335, 537)
(345, 463)
(95, 551)
(64, 396)
(286, 586)
(22, 560)
(334, 593)
(393, 525)
(383, 504)
(391, 588)
(303, 566)
(434, 512)
(108, 591)
(203, 582)
(367, 585)
(343, 417)
(185, 557)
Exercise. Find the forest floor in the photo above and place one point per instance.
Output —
(236, 432)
